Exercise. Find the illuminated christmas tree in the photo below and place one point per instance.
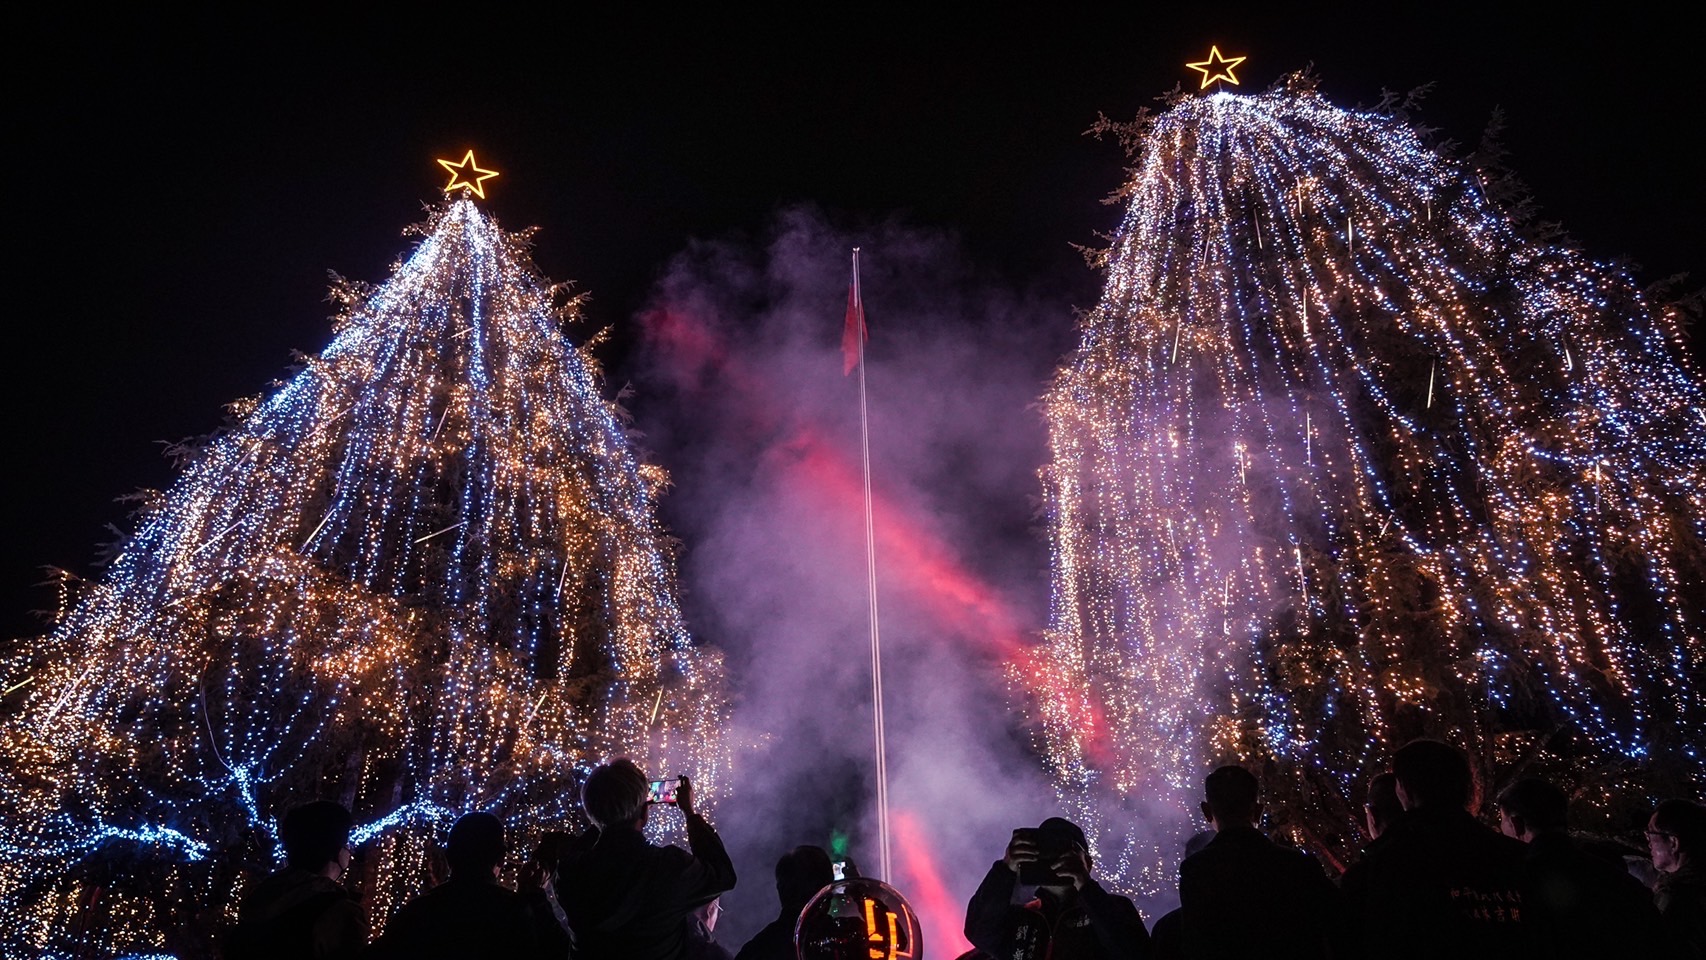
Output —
(422, 577)
(1344, 458)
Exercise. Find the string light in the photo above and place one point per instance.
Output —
(457, 599)
(1502, 554)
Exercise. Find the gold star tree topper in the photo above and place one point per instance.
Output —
(467, 176)
(1216, 67)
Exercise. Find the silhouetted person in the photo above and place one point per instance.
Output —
(1382, 809)
(1167, 935)
(471, 914)
(1244, 895)
(302, 912)
(624, 898)
(1676, 835)
(800, 874)
(1438, 883)
(1070, 918)
(543, 867)
(1575, 904)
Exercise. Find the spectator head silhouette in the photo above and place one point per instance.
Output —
(1071, 832)
(553, 845)
(1382, 809)
(800, 874)
(615, 795)
(476, 845)
(316, 836)
(1071, 836)
(1532, 807)
(1676, 835)
(1230, 798)
(1433, 775)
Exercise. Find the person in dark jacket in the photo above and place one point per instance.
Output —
(1244, 895)
(471, 914)
(1167, 934)
(624, 898)
(1575, 904)
(800, 874)
(303, 912)
(1676, 835)
(1438, 883)
(1071, 917)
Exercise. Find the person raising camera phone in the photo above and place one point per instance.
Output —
(1070, 918)
(624, 898)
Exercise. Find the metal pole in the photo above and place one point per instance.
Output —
(884, 872)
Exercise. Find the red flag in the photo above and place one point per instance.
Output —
(854, 335)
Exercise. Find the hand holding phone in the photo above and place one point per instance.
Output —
(1022, 850)
(1036, 855)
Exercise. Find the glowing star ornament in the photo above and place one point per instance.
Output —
(468, 176)
(1215, 68)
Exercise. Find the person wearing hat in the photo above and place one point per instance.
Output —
(1069, 917)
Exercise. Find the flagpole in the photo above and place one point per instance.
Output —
(871, 591)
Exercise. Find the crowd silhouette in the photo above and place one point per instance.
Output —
(1433, 881)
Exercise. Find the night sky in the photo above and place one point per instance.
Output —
(182, 184)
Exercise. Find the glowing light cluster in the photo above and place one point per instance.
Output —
(424, 577)
(1343, 459)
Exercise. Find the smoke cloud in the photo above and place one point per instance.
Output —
(744, 400)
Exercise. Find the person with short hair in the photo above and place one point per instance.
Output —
(1070, 918)
(1574, 904)
(1439, 883)
(303, 912)
(800, 874)
(624, 898)
(1676, 837)
(472, 914)
(1244, 895)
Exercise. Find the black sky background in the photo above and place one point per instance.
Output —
(182, 183)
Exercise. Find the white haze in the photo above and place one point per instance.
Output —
(741, 395)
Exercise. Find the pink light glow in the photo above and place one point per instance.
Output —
(939, 913)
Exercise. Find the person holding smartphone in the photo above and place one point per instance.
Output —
(1070, 916)
(623, 897)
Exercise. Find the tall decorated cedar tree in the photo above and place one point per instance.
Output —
(423, 577)
(1345, 458)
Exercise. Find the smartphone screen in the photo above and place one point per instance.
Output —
(663, 791)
